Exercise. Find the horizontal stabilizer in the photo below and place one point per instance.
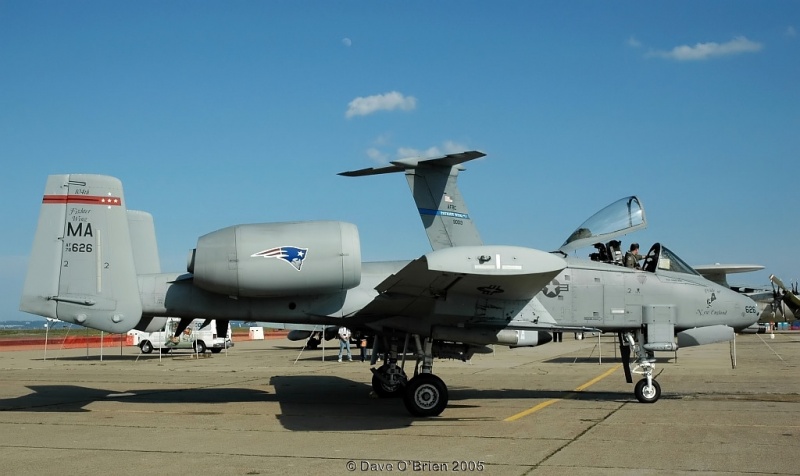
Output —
(402, 165)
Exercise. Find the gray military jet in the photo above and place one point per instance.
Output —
(647, 307)
(87, 267)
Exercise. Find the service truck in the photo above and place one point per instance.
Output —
(193, 338)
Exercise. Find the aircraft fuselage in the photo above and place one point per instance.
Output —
(586, 294)
(611, 297)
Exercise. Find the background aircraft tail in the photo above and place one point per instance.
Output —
(81, 269)
(441, 207)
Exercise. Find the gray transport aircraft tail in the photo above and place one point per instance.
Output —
(439, 202)
(82, 266)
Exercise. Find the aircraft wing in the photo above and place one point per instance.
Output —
(488, 272)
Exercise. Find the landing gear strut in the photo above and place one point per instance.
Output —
(425, 394)
(389, 379)
(647, 390)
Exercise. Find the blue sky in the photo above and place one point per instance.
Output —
(218, 113)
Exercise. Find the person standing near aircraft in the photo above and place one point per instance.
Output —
(633, 257)
(362, 346)
(344, 343)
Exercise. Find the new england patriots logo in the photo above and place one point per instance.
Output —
(291, 254)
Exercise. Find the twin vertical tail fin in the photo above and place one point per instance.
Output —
(81, 269)
(441, 207)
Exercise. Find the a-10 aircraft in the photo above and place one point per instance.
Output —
(92, 264)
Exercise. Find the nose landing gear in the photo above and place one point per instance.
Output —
(647, 390)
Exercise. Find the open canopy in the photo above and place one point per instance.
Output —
(620, 218)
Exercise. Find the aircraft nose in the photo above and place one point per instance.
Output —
(746, 312)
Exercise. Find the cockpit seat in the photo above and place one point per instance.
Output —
(601, 255)
(614, 252)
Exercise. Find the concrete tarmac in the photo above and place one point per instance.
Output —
(267, 408)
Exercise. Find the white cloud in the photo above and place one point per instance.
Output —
(377, 156)
(347, 42)
(383, 139)
(634, 43)
(363, 106)
(703, 51)
(790, 32)
(447, 147)
(381, 157)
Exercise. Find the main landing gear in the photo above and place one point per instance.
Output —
(647, 390)
(425, 394)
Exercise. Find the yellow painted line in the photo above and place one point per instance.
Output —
(546, 404)
(597, 379)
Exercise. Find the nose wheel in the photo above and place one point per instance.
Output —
(647, 390)
(647, 393)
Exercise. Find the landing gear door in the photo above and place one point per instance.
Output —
(620, 218)
(660, 322)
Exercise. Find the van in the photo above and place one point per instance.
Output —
(193, 338)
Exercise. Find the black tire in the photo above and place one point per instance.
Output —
(383, 390)
(426, 395)
(200, 346)
(215, 350)
(146, 347)
(644, 395)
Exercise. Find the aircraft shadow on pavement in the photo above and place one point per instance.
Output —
(185, 355)
(307, 403)
(536, 395)
(74, 398)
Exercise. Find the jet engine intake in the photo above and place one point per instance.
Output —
(278, 259)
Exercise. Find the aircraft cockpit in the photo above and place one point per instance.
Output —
(621, 217)
(660, 257)
(610, 252)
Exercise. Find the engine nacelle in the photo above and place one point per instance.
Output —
(278, 259)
